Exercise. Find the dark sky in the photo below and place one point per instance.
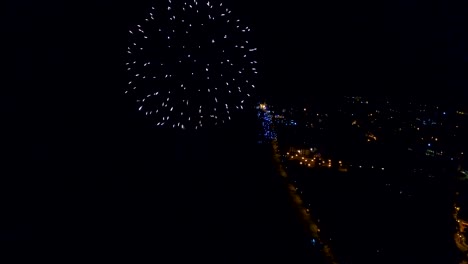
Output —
(386, 47)
(329, 47)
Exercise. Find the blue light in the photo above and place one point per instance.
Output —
(428, 144)
(443, 113)
(267, 124)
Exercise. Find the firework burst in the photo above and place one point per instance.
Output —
(190, 64)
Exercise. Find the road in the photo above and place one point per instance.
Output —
(308, 221)
(310, 225)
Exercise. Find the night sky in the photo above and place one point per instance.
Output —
(393, 47)
(64, 66)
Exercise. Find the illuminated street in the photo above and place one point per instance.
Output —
(303, 210)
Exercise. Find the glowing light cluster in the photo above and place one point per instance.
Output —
(190, 64)
(267, 122)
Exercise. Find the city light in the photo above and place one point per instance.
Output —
(339, 149)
